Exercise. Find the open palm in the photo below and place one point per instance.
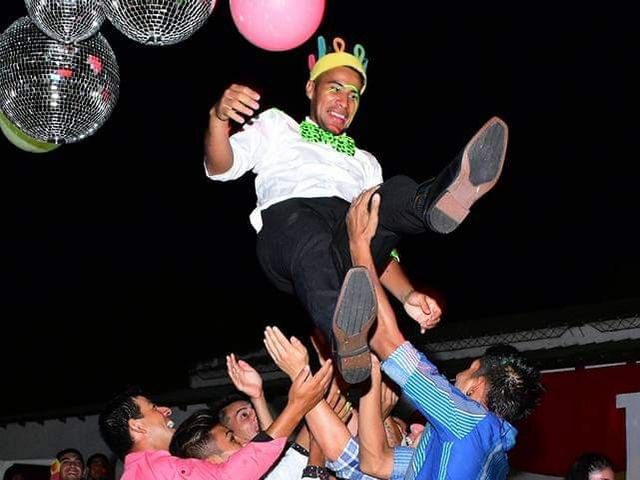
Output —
(244, 377)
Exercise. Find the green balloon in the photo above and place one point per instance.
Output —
(21, 139)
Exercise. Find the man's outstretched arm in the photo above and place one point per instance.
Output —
(419, 306)
(394, 279)
(236, 101)
(305, 393)
(326, 427)
(361, 225)
(376, 457)
(430, 392)
(248, 381)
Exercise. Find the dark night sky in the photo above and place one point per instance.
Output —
(121, 235)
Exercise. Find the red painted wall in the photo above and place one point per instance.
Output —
(578, 414)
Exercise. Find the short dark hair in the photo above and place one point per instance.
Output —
(193, 439)
(515, 388)
(219, 406)
(98, 457)
(95, 456)
(114, 421)
(586, 464)
(69, 450)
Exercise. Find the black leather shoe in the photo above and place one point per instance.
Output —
(445, 201)
(353, 317)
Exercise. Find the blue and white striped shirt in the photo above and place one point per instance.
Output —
(462, 440)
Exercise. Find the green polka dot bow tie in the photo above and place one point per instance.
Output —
(313, 133)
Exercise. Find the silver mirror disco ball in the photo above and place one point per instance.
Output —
(158, 22)
(66, 20)
(55, 92)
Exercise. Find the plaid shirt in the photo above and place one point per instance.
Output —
(347, 464)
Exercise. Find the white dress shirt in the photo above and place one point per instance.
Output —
(287, 166)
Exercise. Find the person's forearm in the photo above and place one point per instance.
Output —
(387, 336)
(304, 437)
(352, 424)
(316, 455)
(218, 155)
(396, 281)
(328, 430)
(376, 458)
(286, 422)
(262, 411)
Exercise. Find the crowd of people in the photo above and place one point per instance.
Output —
(327, 230)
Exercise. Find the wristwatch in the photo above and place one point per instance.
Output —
(315, 471)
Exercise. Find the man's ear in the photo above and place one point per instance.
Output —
(479, 389)
(310, 88)
(137, 427)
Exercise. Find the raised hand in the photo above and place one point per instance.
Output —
(362, 222)
(236, 101)
(290, 355)
(423, 309)
(244, 377)
(307, 389)
(304, 394)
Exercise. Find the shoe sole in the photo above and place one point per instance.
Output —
(353, 317)
(480, 167)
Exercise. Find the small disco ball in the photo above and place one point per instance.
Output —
(66, 20)
(55, 92)
(158, 22)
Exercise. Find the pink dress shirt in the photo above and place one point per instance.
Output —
(250, 463)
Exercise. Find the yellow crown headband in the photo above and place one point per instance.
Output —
(338, 58)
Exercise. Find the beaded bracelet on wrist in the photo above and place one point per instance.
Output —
(300, 449)
(315, 471)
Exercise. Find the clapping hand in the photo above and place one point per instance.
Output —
(245, 378)
(290, 355)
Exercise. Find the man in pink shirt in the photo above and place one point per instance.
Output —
(139, 432)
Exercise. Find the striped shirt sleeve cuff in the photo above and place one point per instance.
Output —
(401, 461)
(402, 363)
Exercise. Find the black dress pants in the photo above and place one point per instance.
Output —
(303, 246)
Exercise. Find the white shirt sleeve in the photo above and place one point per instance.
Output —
(253, 143)
(373, 170)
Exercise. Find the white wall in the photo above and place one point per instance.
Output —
(35, 441)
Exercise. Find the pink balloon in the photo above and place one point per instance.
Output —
(277, 25)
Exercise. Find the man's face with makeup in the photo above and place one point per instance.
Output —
(335, 96)
(240, 417)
